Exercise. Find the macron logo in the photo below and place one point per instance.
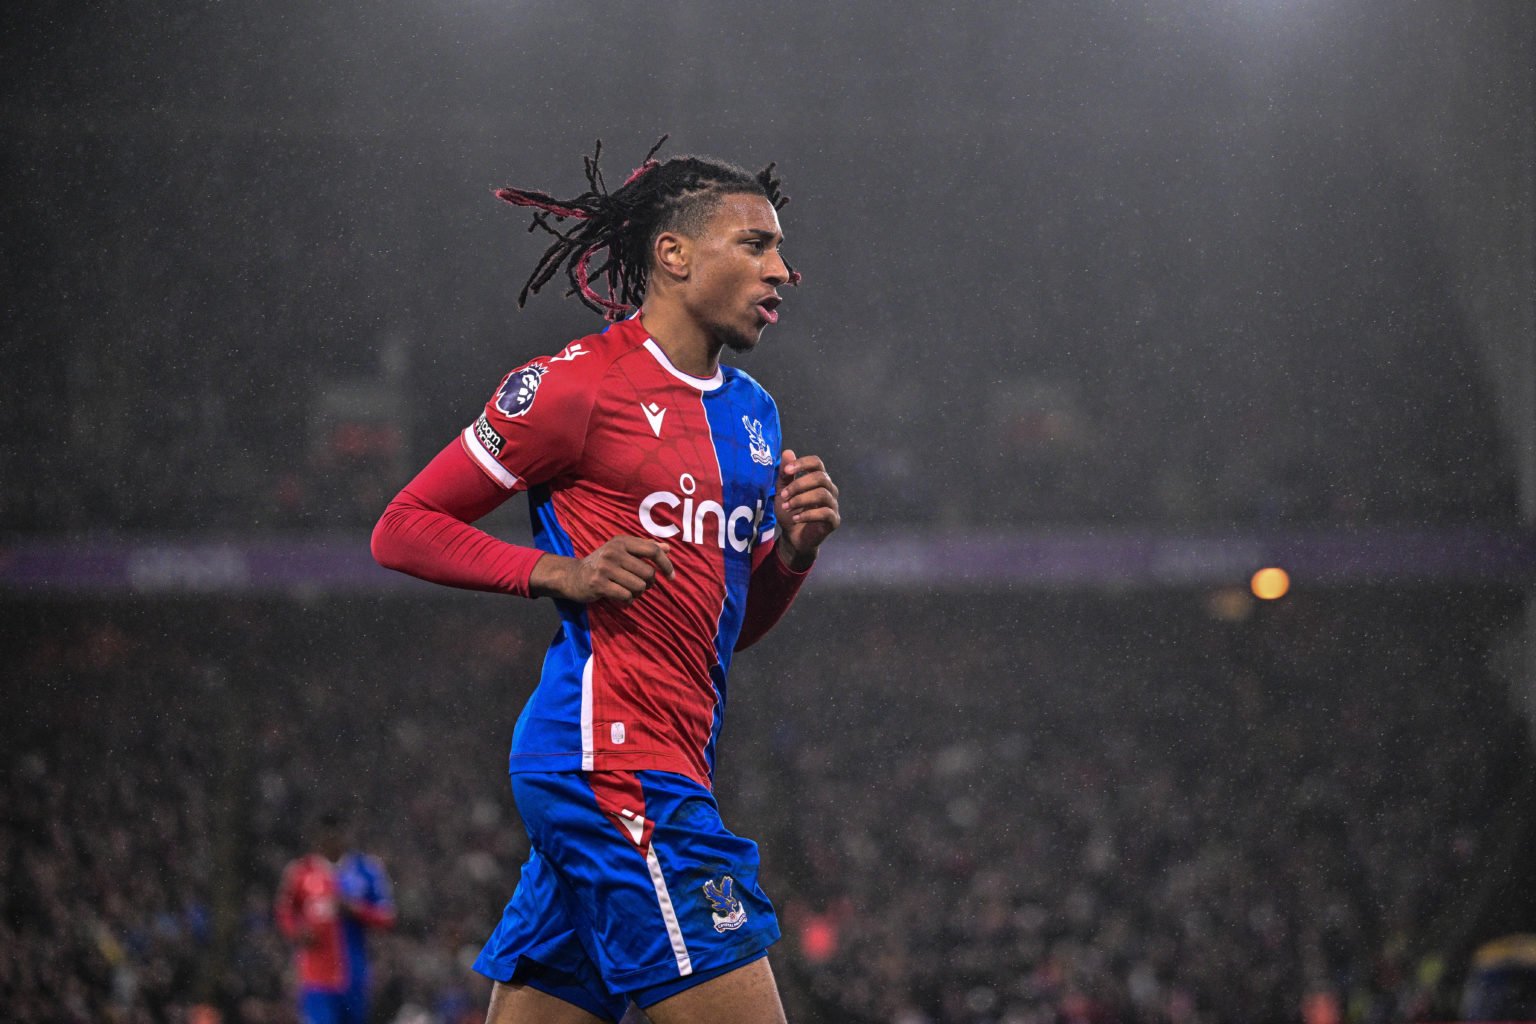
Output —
(653, 415)
(634, 823)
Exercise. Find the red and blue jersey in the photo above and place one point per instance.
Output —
(326, 909)
(608, 438)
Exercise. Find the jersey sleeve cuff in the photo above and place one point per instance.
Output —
(786, 569)
(486, 461)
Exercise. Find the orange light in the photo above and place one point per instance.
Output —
(1270, 584)
(1229, 604)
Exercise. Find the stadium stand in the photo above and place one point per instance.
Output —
(1148, 809)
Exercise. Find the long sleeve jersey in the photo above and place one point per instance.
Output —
(607, 437)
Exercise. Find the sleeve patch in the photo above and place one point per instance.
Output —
(487, 436)
(516, 394)
(476, 449)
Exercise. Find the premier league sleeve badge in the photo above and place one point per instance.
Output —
(517, 392)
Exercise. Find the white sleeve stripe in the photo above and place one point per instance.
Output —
(495, 470)
(767, 535)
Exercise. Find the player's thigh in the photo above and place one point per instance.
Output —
(747, 995)
(524, 1004)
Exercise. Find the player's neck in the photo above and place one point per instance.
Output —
(688, 346)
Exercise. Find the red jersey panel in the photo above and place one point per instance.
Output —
(309, 911)
(609, 438)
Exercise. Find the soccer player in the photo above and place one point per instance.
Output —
(326, 903)
(672, 529)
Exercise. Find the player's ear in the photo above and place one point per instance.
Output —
(671, 254)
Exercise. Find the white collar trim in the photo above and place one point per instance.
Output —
(700, 383)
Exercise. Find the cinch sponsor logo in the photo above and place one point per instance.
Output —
(665, 515)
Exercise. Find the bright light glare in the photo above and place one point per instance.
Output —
(1270, 584)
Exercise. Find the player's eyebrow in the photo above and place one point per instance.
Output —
(761, 233)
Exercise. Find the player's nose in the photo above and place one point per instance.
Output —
(775, 270)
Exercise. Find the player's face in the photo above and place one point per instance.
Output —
(737, 271)
(333, 842)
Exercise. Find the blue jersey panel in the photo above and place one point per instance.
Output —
(362, 879)
(550, 720)
(744, 426)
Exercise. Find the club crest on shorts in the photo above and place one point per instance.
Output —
(761, 453)
(726, 909)
(518, 391)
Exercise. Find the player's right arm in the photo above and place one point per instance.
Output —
(288, 911)
(425, 532)
(619, 571)
(532, 430)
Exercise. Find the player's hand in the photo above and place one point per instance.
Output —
(805, 506)
(619, 571)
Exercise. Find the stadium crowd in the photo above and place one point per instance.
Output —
(1145, 809)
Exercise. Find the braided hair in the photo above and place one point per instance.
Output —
(617, 229)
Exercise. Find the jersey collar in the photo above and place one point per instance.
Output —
(698, 383)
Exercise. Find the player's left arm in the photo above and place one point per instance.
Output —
(806, 512)
(375, 906)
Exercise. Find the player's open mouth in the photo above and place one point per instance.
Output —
(768, 309)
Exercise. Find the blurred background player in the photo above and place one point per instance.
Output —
(327, 902)
(672, 529)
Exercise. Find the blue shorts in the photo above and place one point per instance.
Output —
(634, 890)
(319, 1006)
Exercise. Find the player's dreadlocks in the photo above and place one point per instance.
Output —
(620, 226)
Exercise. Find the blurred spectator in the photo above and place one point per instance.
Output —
(327, 903)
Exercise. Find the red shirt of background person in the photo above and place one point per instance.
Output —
(327, 901)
